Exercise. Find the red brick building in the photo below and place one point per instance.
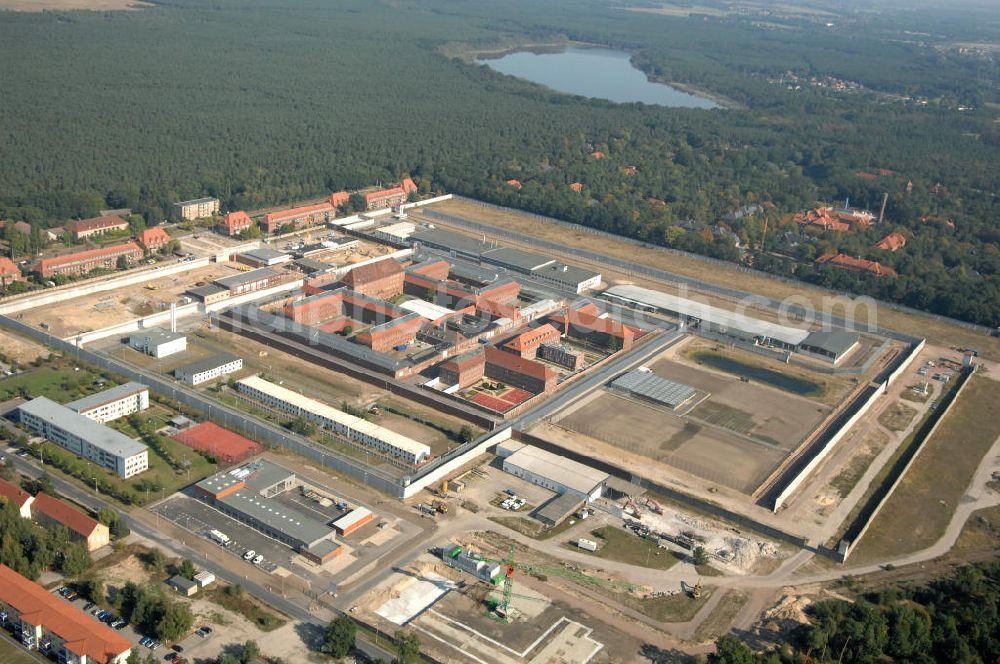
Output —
(81, 228)
(83, 262)
(529, 375)
(339, 199)
(235, 223)
(300, 217)
(464, 370)
(382, 279)
(153, 239)
(384, 337)
(603, 332)
(526, 344)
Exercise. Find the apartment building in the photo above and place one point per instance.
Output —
(56, 628)
(112, 403)
(83, 262)
(84, 437)
(197, 208)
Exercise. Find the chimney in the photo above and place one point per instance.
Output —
(173, 316)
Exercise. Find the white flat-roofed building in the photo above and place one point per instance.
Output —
(730, 323)
(424, 309)
(84, 437)
(554, 472)
(158, 343)
(398, 232)
(355, 428)
(197, 208)
(209, 369)
(112, 403)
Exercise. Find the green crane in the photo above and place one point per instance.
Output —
(509, 567)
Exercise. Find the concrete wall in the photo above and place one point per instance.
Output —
(429, 201)
(858, 529)
(437, 475)
(98, 285)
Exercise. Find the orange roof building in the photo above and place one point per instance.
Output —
(852, 264)
(382, 279)
(834, 220)
(84, 261)
(235, 223)
(526, 344)
(597, 154)
(408, 185)
(18, 496)
(339, 198)
(576, 186)
(299, 217)
(891, 242)
(81, 228)
(9, 272)
(514, 183)
(48, 511)
(78, 637)
(153, 239)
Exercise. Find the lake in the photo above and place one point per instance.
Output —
(594, 72)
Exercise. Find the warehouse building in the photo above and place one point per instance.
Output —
(720, 321)
(398, 232)
(55, 628)
(248, 494)
(552, 471)
(457, 244)
(262, 257)
(353, 520)
(112, 403)
(248, 282)
(209, 369)
(208, 294)
(157, 342)
(644, 384)
(354, 428)
(84, 437)
(830, 345)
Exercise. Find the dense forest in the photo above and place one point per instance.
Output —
(262, 103)
(954, 620)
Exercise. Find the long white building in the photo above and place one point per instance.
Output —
(355, 428)
(113, 402)
(158, 343)
(209, 369)
(84, 437)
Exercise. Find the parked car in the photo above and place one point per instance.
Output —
(71, 595)
(249, 555)
(202, 633)
(88, 606)
(170, 656)
(258, 559)
(510, 492)
(177, 647)
(145, 641)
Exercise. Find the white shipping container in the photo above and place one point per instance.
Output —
(587, 545)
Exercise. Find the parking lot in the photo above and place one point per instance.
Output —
(488, 489)
(198, 518)
(127, 631)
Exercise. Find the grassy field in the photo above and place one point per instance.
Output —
(919, 511)
(13, 653)
(58, 381)
(937, 331)
(238, 601)
(721, 618)
(530, 527)
(845, 480)
(678, 607)
(897, 417)
(617, 544)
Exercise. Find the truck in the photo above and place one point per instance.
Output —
(586, 544)
(219, 537)
(426, 509)
(441, 506)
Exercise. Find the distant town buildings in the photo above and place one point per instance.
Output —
(197, 209)
(830, 219)
(852, 264)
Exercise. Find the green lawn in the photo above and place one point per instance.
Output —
(14, 653)
(624, 547)
(57, 381)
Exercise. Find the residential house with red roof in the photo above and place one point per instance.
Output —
(9, 272)
(57, 628)
(514, 183)
(891, 242)
(385, 198)
(48, 511)
(153, 239)
(576, 186)
(83, 228)
(852, 264)
(18, 496)
(235, 223)
(835, 220)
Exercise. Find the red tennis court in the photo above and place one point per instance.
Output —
(222, 443)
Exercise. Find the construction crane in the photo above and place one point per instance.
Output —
(510, 565)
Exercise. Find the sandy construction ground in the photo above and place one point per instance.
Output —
(99, 310)
(19, 349)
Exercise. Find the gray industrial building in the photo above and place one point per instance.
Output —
(647, 385)
(830, 345)
(247, 494)
(552, 471)
(158, 342)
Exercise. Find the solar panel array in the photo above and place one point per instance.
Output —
(654, 388)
